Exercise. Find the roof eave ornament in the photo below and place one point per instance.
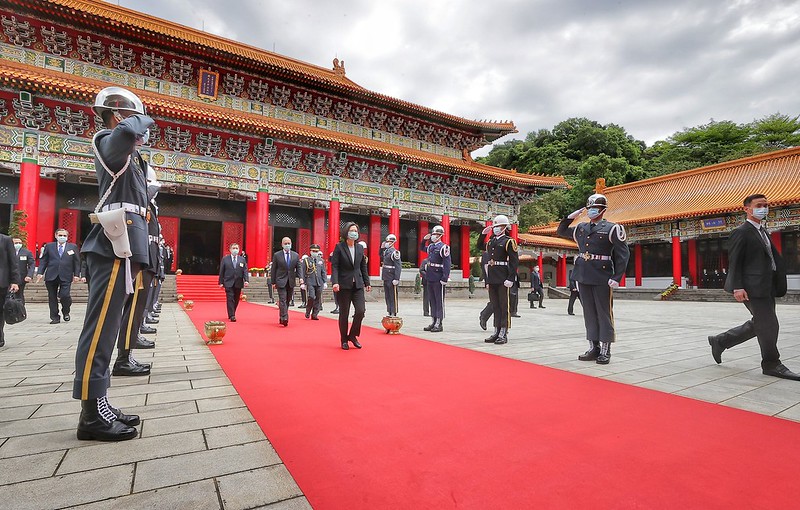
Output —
(338, 67)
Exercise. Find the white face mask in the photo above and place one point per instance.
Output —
(234, 252)
(435, 238)
(593, 212)
(352, 235)
(61, 239)
(315, 254)
(287, 246)
(760, 212)
(498, 230)
(17, 246)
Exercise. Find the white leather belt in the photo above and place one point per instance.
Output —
(388, 267)
(131, 208)
(592, 256)
(497, 263)
(436, 265)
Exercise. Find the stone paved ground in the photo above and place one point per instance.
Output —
(200, 448)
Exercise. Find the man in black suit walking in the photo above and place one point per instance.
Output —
(537, 288)
(285, 268)
(756, 276)
(9, 277)
(573, 295)
(26, 265)
(233, 276)
(60, 266)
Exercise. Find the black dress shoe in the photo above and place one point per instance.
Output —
(314, 318)
(492, 338)
(570, 313)
(308, 315)
(429, 326)
(66, 317)
(437, 329)
(345, 346)
(143, 343)
(336, 310)
(540, 306)
(501, 340)
(426, 314)
(150, 320)
(147, 330)
(781, 371)
(483, 324)
(101, 425)
(590, 355)
(233, 319)
(716, 349)
(55, 321)
(123, 367)
(2, 342)
(355, 343)
(516, 315)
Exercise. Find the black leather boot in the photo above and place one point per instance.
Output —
(494, 336)
(127, 366)
(130, 420)
(604, 358)
(143, 343)
(592, 353)
(98, 422)
(146, 330)
(502, 337)
(437, 326)
(430, 326)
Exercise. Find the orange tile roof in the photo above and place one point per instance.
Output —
(545, 241)
(705, 191)
(22, 76)
(100, 9)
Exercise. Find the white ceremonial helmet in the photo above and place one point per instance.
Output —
(438, 230)
(597, 200)
(391, 238)
(117, 99)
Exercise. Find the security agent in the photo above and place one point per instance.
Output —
(316, 280)
(437, 275)
(390, 273)
(60, 266)
(598, 270)
(111, 267)
(26, 265)
(500, 275)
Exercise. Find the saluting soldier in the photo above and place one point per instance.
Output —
(112, 265)
(501, 273)
(390, 273)
(316, 280)
(599, 268)
(437, 275)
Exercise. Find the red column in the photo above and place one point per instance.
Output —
(446, 226)
(465, 249)
(318, 228)
(637, 264)
(622, 281)
(394, 223)
(540, 263)
(561, 272)
(374, 245)
(515, 232)
(423, 231)
(692, 261)
(29, 183)
(46, 223)
(776, 239)
(333, 227)
(676, 260)
(261, 231)
(489, 235)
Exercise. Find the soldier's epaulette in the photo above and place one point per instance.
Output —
(513, 244)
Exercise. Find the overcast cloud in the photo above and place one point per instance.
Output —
(651, 66)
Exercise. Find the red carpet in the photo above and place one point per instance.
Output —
(199, 287)
(407, 423)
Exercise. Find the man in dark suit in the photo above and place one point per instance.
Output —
(537, 287)
(756, 276)
(9, 277)
(285, 268)
(573, 295)
(26, 265)
(233, 276)
(60, 266)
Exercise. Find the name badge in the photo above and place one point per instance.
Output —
(70, 252)
(241, 264)
(24, 257)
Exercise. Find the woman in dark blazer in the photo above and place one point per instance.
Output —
(350, 277)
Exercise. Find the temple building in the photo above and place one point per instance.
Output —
(678, 224)
(251, 146)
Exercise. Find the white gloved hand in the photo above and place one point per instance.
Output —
(444, 283)
(303, 287)
(508, 283)
(395, 282)
(575, 214)
(613, 283)
(324, 285)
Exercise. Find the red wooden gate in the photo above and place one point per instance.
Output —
(232, 232)
(70, 220)
(170, 229)
(303, 241)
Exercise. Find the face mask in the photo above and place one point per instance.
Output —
(435, 238)
(352, 235)
(498, 230)
(61, 239)
(315, 254)
(17, 246)
(287, 246)
(234, 252)
(760, 212)
(593, 212)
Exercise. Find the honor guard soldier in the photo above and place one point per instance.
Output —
(501, 273)
(116, 250)
(316, 280)
(390, 273)
(599, 268)
(436, 276)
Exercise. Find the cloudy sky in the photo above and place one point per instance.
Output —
(651, 66)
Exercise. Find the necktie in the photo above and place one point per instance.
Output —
(234, 261)
(60, 250)
(765, 238)
(287, 259)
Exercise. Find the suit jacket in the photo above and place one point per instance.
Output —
(347, 272)
(749, 265)
(536, 281)
(281, 274)
(26, 263)
(9, 265)
(233, 276)
(61, 268)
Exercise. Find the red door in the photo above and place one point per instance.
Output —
(232, 232)
(303, 241)
(170, 229)
(70, 220)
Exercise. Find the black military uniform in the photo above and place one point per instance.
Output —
(390, 274)
(116, 158)
(436, 277)
(603, 258)
(426, 305)
(26, 265)
(502, 270)
(488, 310)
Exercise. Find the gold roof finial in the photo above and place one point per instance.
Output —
(338, 67)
